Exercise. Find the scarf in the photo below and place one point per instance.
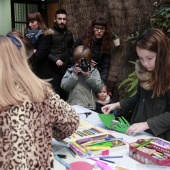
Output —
(106, 101)
(33, 35)
(143, 75)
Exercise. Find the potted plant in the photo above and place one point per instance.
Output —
(130, 84)
(116, 39)
(161, 20)
(132, 38)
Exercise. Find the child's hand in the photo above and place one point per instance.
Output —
(93, 63)
(85, 74)
(77, 69)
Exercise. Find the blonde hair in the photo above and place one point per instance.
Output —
(14, 73)
(82, 52)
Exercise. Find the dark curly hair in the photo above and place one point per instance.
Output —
(88, 36)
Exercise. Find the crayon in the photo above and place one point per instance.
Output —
(62, 162)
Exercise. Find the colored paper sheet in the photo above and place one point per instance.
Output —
(120, 125)
(80, 165)
(107, 119)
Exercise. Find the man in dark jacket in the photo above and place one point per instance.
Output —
(60, 52)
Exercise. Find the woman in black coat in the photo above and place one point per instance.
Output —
(41, 38)
(98, 39)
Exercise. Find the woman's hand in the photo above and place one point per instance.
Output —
(59, 63)
(109, 107)
(136, 128)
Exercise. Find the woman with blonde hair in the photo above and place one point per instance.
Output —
(28, 110)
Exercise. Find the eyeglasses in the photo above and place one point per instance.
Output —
(97, 28)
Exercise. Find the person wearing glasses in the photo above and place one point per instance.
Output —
(98, 38)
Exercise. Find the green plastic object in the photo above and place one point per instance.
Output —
(119, 124)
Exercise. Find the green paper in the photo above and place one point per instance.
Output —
(107, 119)
(121, 126)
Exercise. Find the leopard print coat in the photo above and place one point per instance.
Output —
(26, 132)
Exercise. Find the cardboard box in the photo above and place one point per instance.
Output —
(88, 133)
(153, 151)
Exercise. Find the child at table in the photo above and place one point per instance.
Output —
(151, 103)
(102, 99)
(82, 84)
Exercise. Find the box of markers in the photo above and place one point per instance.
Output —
(153, 151)
(92, 140)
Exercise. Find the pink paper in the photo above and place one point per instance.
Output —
(80, 165)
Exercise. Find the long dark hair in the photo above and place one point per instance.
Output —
(36, 16)
(155, 40)
(88, 36)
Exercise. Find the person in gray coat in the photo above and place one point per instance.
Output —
(82, 81)
(151, 104)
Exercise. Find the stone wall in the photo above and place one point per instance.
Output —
(124, 16)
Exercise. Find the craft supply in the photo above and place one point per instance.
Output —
(76, 150)
(79, 147)
(71, 151)
(80, 165)
(113, 138)
(96, 148)
(78, 133)
(62, 162)
(62, 156)
(106, 160)
(107, 156)
(86, 113)
(110, 144)
(150, 152)
(143, 143)
(105, 152)
(120, 125)
(103, 166)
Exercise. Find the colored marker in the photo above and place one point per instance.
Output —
(71, 152)
(79, 134)
(106, 160)
(79, 147)
(76, 150)
(107, 156)
(113, 138)
(62, 162)
(95, 148)
(103, 166)
(103, 144)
